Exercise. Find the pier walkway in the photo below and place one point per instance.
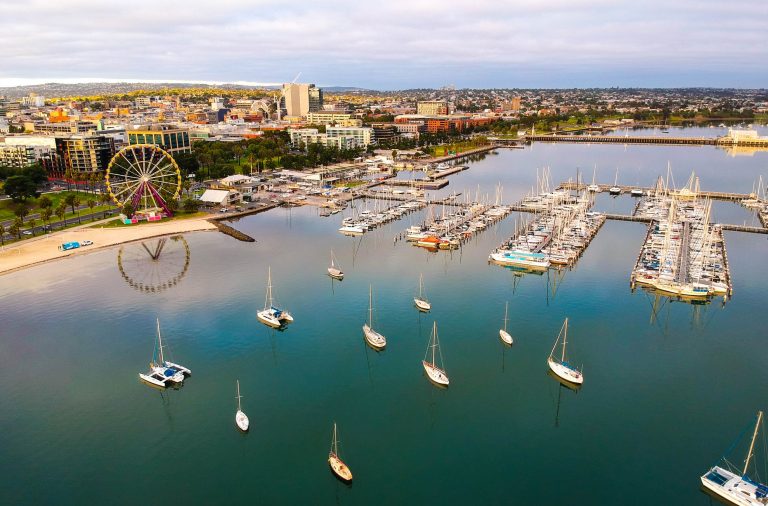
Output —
(626, 189)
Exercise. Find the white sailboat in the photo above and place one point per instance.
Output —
(241, 419)
(421, 301)
(593, 188)
(503, 334)
(373, 338)
(615, 190)
(738, 489)
(436, 375)
(560, 366)
(338, 466)
(334, 271)
(161, 371)
(270, 315)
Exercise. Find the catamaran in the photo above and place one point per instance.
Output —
(270, 315)
(334, 271)
(738, 489)
(560, 366)
(436, 375)
(338, 466)
(241, 419)
(373, 338)
(161, 371)
(421, 301)
(503, 334)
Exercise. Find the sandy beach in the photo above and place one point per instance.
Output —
(46, 248)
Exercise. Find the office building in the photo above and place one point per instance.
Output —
(168, 137)
(432, 107)
(301, 99)
(85, 153)
(363, 135)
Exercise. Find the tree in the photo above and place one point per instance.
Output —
(45, 214)
(20, 188)
(2, 234)
(91, 204)
(31, 224)
(172, 205)
(70, 201)
(190, 205)
(45, 202)
(76, 205)
(61, 210)
(104, 198)
(128, 209)
(21, 211)
(15, 229)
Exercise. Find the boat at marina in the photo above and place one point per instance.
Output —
(161, 371)
(734, 486)
(421, 301)
(241, 419)
(615, 189)
(334, 271)
(273, 316)
(373, 338)
(435, 370)
(593, 188)
(636, 192)
(503, 334)
(521, 259)
(560, 366)
(339, 468)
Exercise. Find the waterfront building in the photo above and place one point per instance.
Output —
(301, 99)
(432, 107)
(168, 137)
(363, 135)
(85, 153)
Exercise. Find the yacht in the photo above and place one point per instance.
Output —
(161, 371)
(271, 315)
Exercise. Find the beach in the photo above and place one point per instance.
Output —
(46, 248)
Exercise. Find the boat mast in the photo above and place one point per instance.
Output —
(565, 338)
(334, 443)
(752, 444)
(434, 341)
(506, 308)
(160, 342)
(268, 299)
(421, 286)
(238, 395)
(370, 306)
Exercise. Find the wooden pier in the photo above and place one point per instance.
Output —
(733, 197)
(615, 139)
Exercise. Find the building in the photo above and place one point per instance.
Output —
(85, 153)
(301, 137)
(19, 157)
(412, 129)
(221, 197)
(66, 127)
(168, 137)
(363, 135)
(384, 132)
(33, 100)
(432, 107)
(301, 99)
(326, 117)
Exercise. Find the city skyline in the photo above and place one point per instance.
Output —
(398, 45)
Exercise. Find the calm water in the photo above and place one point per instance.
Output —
(668, 385)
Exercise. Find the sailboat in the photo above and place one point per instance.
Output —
(334, 271)
(503, 334)
(373, 338)
(270, 315)
(615, 190)
(560, 366)
(338, 466)
(735, 488)
(436, 375)
(593, 188)
(241, 419)
(421, 301)
(161, 371)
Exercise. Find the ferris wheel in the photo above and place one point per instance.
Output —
(154, 266)
(145, 176)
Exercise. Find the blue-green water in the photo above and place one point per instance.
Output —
(668, 385)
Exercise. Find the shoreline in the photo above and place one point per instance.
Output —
(44, 249)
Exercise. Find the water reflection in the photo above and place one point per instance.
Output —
(154, 266)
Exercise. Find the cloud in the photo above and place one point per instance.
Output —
(393, 44)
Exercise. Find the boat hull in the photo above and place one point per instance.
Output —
(335, 273)
(339, 468)
(421, 304)
(565, 373)
(729, 493)
(267, 319)
(373, 338)
(242, 422)
(505, 337)
(152, 381)
(435, 374)
(520, 262)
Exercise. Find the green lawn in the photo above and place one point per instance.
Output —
(7, 207)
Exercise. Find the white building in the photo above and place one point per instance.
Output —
(363, 135)
(299, 99)
(221, 197)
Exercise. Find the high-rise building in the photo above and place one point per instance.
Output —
(301, 99)
(85, 153)
(432, 107)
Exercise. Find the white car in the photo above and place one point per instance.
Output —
(86, 243)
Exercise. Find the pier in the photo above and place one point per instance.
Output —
(713, 195)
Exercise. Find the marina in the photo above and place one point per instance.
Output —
(298, 380)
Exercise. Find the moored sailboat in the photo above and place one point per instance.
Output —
(373, 338)
(161, 371)
(503, 334)
(435, 373)
(560, 366)
(338, 466)
(734, 485)
(271, 315)
(422, 304)
(334, 271)
(241, 419)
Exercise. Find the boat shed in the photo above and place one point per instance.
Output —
(220, 197)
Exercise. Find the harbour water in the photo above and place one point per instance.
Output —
(668, 385)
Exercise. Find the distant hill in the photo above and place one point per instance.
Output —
(86, 89)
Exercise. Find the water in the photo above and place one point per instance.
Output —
(668, 385)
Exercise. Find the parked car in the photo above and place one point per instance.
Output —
(86, 243)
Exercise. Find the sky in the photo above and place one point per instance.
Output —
(390, 44)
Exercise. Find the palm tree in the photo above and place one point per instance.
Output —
(46, 214)
(2, 234)
(16, 227)
(60, 211)
(91, 204)
(70, 201)
(31, 224)
(76, 204)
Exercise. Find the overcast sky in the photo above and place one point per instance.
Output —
(389, 44)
